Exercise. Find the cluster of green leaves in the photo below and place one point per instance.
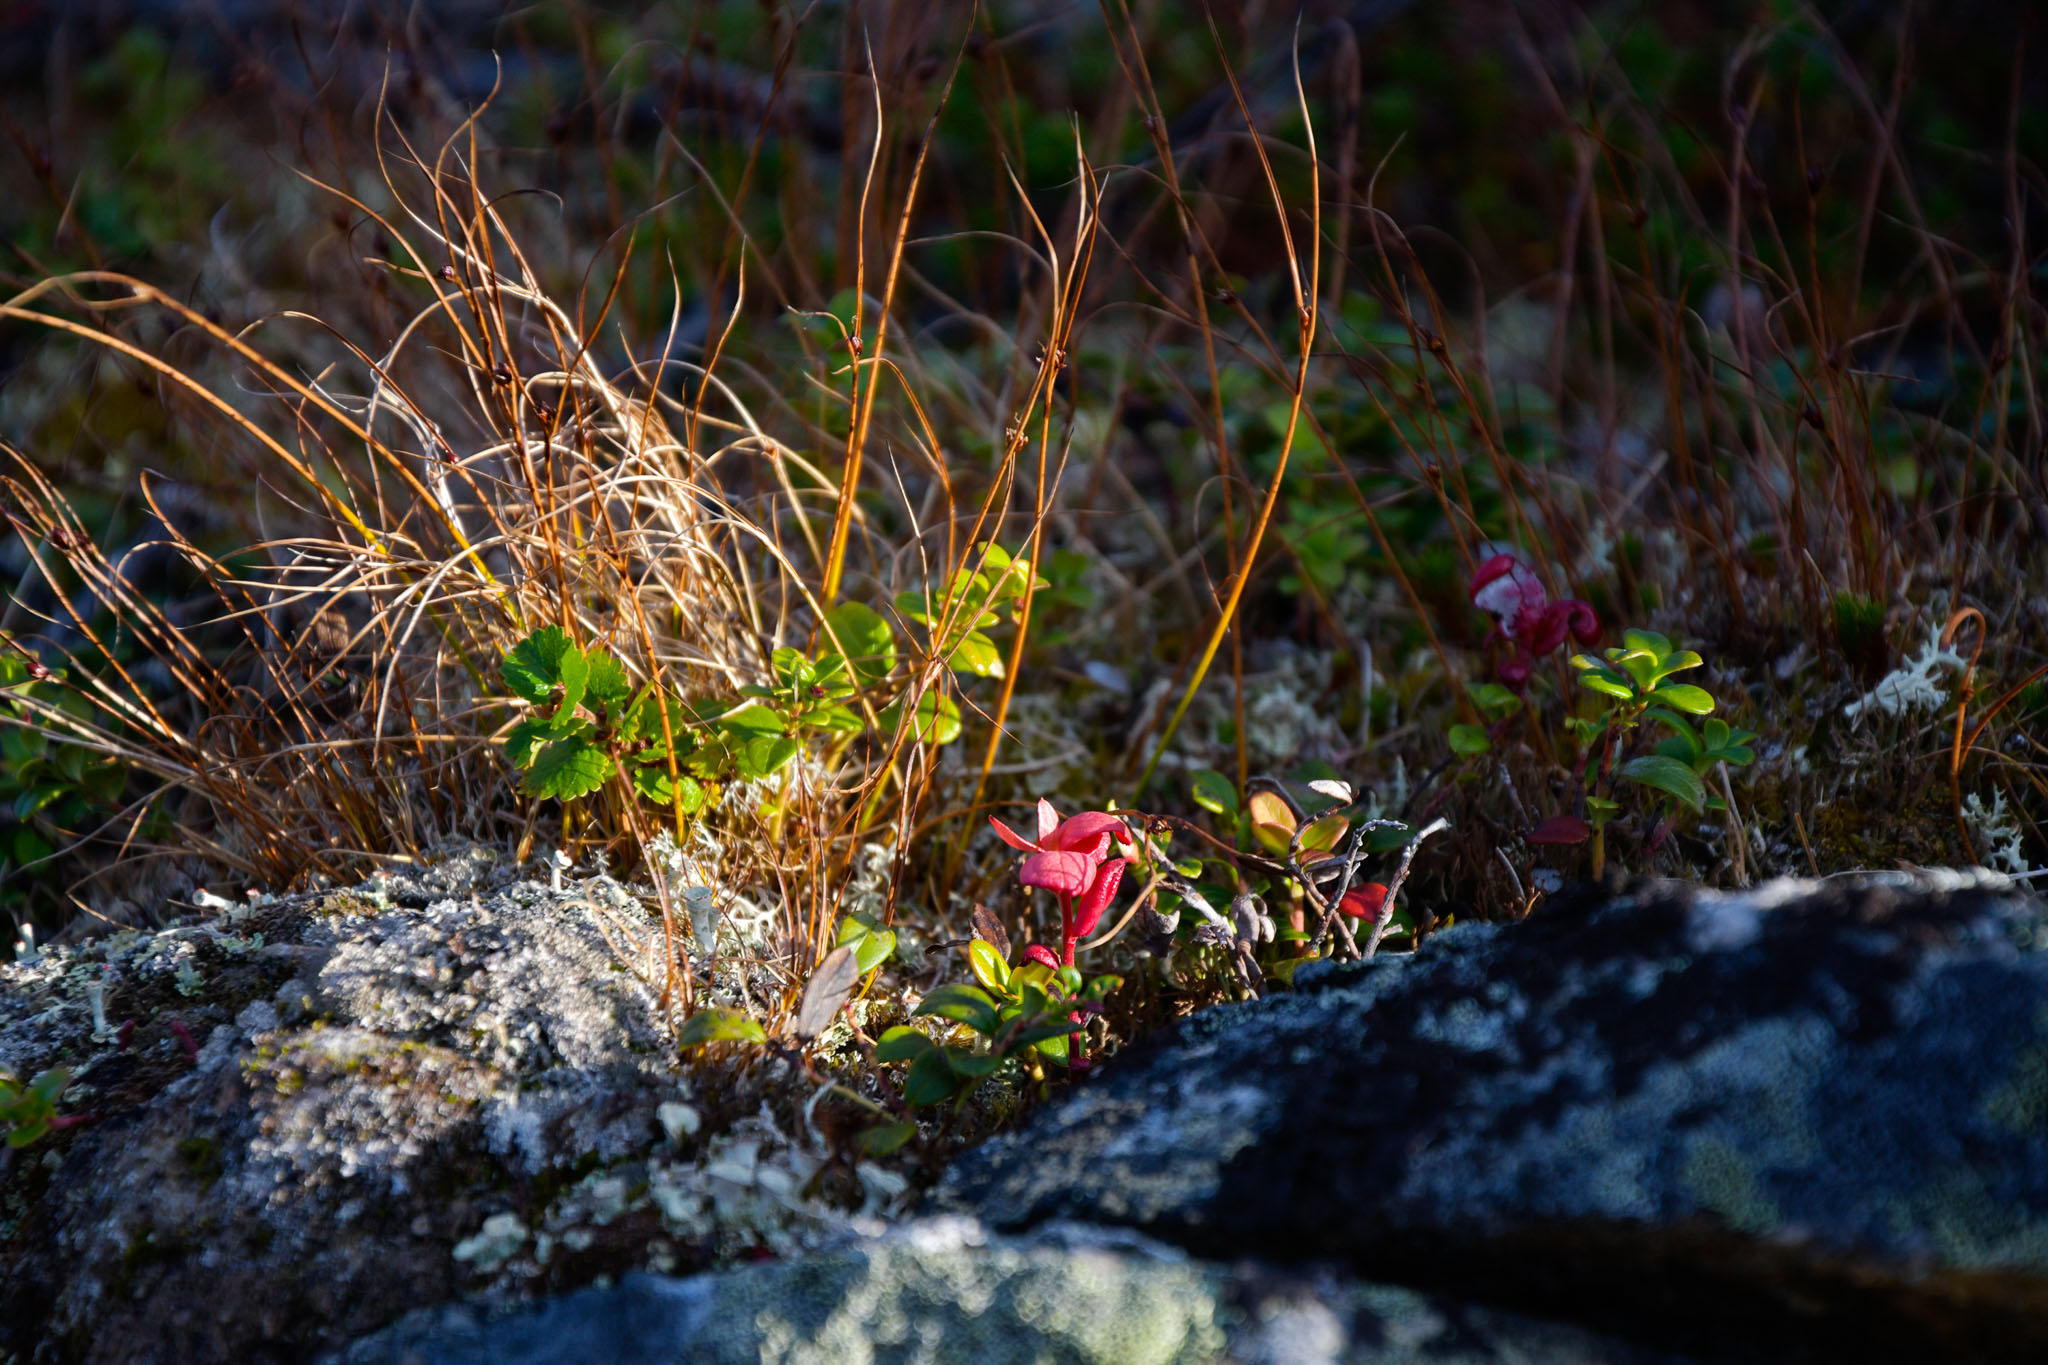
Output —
(589, 723)
(1018, 1015)
(29, 1111)
(974, 600)
(47, 787)
(1634, 681)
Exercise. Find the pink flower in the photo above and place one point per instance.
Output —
(1070, 858)
(1513, 595)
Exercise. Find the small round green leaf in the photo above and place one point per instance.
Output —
(1469, 741)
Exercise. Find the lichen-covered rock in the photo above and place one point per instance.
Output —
(332, 1108)
(942, 1290)
(1810, 1115)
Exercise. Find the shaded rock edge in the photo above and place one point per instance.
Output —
(1808, 1121)
(944, 1289)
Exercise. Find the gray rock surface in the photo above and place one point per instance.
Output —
(438, 1083)
(942, 1290)
(1809, 1120)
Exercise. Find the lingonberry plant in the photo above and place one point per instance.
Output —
(1634, 682)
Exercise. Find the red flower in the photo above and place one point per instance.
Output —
(1364, 900)
(1038, 952)
(1511, 592)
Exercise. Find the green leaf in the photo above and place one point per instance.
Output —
(860, 633)
(930, 1080)
(972, 1066)
(765, 756)
(750, 722)
(838, 720)
(1667, 775)
(792, 669)
(651, 780)
(902, 1044)
(937, 719)
(1640, 667)
(1041, 1027)
(871, 950)
(1495, 701)
(1607, 685)
(1068, 979)
(606, 679)
(1099, 988)
(1685, 697)
(977, 654)
(568, 768)
(885, 1138)
(1678, 725)
(1054, 1049)
(543, 661)
(1469, 741)
(1646, 641)
(1677, 663)
(1322, 834)
(988, 965)
(525, 739)
(719, 1026)
(1213, 792)
(968, 1004)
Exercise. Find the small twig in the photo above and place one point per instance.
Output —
(1386, 915)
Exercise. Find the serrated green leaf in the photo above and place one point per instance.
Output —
(969, 1005)
(568, 768)
(930, 1080)
(524, 740)
(1469, 741)
(542, 662)
(902, 1044)
(1685, 697)
(605, 679)
(1213, 792)
(977, 654)
(1667, 775)
(719, 1026)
